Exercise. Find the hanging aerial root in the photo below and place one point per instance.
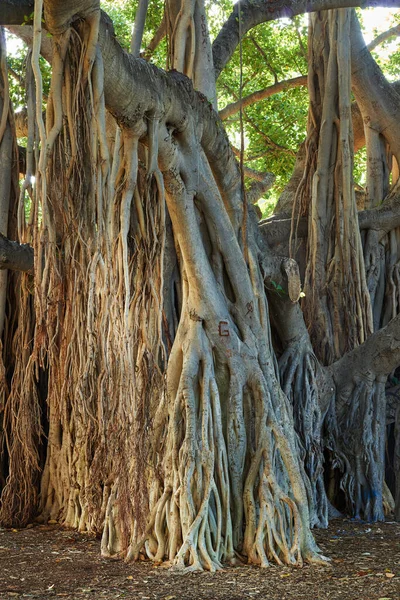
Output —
(191, 522)
(298, 373)
(358, 443)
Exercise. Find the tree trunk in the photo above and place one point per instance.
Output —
(172, 429)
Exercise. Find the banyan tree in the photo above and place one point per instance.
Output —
(191, 383)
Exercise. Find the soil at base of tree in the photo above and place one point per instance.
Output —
(45, 561)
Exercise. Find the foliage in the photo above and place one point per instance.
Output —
(276, 126)
(272, 52)
(122, 13)
(16, 62)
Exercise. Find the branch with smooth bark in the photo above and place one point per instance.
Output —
(378, 100)
(383, 37)
(281, 86)
(262, 181)
(25, 33)
(385, 218)
(254, 12)
(156, 39)
(259, 187)
(377, 357)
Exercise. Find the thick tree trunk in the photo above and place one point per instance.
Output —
(171, 426)
(219, 472)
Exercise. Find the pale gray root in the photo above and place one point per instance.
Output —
(356, 429)
(337, 307)
(239, 489)
(190, 47)
(337, 302)
(138, 28)
(377, 188)
(397, 464)
(359, 417)
(304, 383)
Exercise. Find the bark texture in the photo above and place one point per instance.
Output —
(142, 397)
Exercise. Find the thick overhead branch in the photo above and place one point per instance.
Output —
(167, 96)
(254, 12)
(378, 356)
(384, 218)
(156, 93)
(15, 256)
(15, 12)
(378, 100)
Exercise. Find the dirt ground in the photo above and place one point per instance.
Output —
(48, 562)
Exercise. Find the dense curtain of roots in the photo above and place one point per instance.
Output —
(20, 418)
(189, 47)
(298, 369)
(337, 306)
(381, 251)
(357, 439)
(168, 430)
(230, 479)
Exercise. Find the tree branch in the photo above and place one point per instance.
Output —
(25, 33)
(378, 100)
(259, 187)
(15, 256)
(156, 39)
(383, 37)
(15, 12)
(254, 12)
(377, 357)
(281, 86)
(383, 218)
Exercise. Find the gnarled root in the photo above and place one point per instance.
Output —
(356, 430)
(231, 479)
(298, 372)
